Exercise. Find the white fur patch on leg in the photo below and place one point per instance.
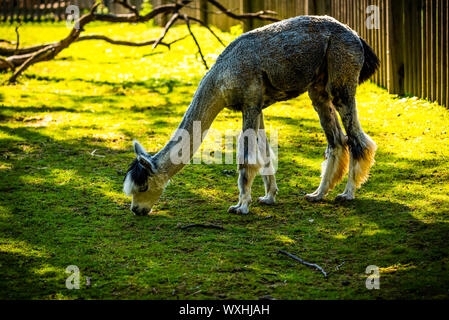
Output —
(359, 170)
(341, 165)
(332, 171)
(362, 166)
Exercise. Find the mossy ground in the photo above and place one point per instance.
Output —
(62, 204)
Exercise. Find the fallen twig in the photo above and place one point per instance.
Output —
(96, 155)
(336, 268)
(304, 262)
(200, 225)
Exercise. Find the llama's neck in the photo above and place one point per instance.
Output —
(204, 108)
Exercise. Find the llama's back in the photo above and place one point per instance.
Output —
(288, 53)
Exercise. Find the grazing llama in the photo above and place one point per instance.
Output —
(274, 63)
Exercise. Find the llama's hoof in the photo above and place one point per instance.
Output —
(344, 197)
(313, 197)
(239, 209)
(266, 200)
(242, 210)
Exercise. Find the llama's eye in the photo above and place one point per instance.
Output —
(143, 188)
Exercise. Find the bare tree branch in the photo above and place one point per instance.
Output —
(119, 42)
(51, 51)
(172, 20)
(17, 36)
(19, 59)
(208, 28)
(262, 15)
(29, 62)
(10, 51)
(8, 64)
(186, 18)
(7, 51)
(127, 5)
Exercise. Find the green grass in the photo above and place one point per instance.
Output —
(61, 204)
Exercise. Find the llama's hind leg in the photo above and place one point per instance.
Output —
(247, 159)
(267, 170)
(362, 147)
(336, 160)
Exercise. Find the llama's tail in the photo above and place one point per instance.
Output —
(371, 64)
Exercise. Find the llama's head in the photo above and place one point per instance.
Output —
(143, 182)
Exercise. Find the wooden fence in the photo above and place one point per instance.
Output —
(409, 36)
(44, 10)
(411, 41)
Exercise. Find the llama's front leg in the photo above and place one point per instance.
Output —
(247, 173)
(271, 190)
(267, 170)
(247, 159)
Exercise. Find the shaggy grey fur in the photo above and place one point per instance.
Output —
(275, 63)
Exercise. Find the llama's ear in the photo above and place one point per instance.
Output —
(143, 157)
(147, 162)
(138, 149)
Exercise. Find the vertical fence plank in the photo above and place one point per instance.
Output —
(381, 41)
(397, 57)
(4, 10)
(376, 43)
(443, 45)
(14, 7)
(414, 49)
(412, 42)
(442, 53)
(362, 19)
(45, 11)
(420, 47)
(408, 27)
(446, 42)
(427, 48)
(424, 50)
(39, 12)
(437, 50)
(416, 34)
(434, 50)
(386, 46)
(387, 60)
(22, 10)
(430, 60)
